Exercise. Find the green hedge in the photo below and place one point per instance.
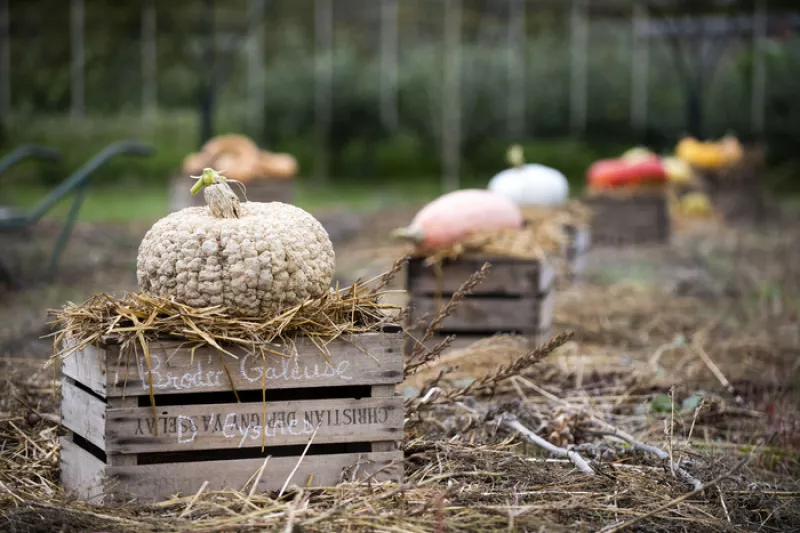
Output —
(399, 158)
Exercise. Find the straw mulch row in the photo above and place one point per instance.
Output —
(660, 412)
(542, 234)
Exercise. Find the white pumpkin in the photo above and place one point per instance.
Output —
(529, 185)
(532, 184)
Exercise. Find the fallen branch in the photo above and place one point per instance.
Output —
(613, 431)
(510, 422)
(682, 474)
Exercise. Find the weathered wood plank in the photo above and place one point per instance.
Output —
(86, 366)
(119, 402)
(507, 276)
(637, 219)
(370, 359)
(385, 391)
(524, 315)
(83, 413)
(241, 425)
(82, 474)
(153, 483)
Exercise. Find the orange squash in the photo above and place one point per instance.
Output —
(453, 216)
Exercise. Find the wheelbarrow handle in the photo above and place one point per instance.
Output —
(32, 151)
(131, 147)
(42, 152)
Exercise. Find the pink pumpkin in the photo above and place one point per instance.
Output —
(453, 216)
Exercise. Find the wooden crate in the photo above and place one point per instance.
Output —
(738, 193)
(576, 252)
(116, 450)
(259, 190)
(622, 220)
(517, 296)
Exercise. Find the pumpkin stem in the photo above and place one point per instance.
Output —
(221, 200)
(208, 177)
(516, 156)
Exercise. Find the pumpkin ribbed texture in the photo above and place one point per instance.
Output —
(271, 256)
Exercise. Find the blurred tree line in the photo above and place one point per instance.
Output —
(361, 144)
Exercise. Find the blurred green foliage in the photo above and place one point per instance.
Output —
(362, 147)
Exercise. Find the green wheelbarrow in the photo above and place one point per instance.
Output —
(18, 221)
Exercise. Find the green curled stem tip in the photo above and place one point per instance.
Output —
(208, 177)
(515, 156)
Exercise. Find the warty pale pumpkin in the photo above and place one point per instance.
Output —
(253, 258)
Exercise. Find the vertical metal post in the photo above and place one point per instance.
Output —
(389, 60)
(78, 59)
(639, 68)
(323, 58)
(759, 68)
(579, 34)
(451, 96)
(255, 67)
(208, 74)
(516, 69)
(5, 64)
(149, 60)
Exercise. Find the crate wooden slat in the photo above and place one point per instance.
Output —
(116, 449)
(104, 372)
(621, 220)
(160, 481)
(576, 251)
(517, 296)
(491, 314)
(258, 190)
(507, 276)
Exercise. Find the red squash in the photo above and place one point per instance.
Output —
(613, 173)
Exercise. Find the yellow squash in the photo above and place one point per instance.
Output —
(704, 155)
(678, 171)
(696, 204)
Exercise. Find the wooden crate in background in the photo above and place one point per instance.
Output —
(516, 297)
(630, 219)
(258, 190)
(116, 450)
(738, 193)
(576, 252)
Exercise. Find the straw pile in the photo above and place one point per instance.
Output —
(136, 318)
(543, 234)
(573, 213)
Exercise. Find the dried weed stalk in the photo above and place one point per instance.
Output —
(420, 355)
(485, 386)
